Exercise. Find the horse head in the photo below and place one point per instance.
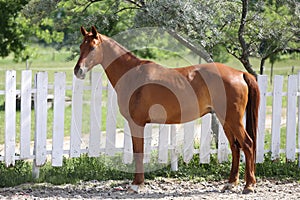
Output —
(90, 52)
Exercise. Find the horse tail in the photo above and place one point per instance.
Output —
(252, 109)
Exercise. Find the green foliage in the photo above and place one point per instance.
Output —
(12, 33)
(279, 169)
(104, 168)
(18, 174)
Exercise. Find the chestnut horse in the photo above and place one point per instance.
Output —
(150, 93)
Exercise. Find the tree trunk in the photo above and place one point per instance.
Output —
(271, 74)
(262, 66)
(244, 58)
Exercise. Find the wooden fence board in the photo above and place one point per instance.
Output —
(96, 115)
(127, 151)
(260, 143)
(147, 143)
(205, 139)
(222, 145)
(174, 150)
(163, 143)
(188, 144)
(111, 120)
(10, 117)
(41, 113)
(291, 118)
(58, 118)
(76, 121)
(276, 116)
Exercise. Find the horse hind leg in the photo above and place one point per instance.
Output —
(246, 145)
(234, 172)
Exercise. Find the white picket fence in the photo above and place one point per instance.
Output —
(170, 141)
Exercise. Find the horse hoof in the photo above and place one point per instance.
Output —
(228, 186)
(133, 189)
(248, 190)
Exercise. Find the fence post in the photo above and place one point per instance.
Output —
(10, 117)
(260, 144)
(276, 116)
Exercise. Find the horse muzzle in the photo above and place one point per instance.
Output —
(80, 72)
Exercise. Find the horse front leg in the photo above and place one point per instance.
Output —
(137, 135)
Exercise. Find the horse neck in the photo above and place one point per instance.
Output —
(117, 60)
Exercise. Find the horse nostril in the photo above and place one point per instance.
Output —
(80, 72)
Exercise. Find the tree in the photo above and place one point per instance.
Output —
(12, 32)
(272, 42)
(240, 27)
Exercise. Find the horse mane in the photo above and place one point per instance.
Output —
(115, 43)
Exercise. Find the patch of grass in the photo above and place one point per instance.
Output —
(20, 173)
(104, 168)
(279, 169)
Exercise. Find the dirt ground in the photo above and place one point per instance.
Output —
(161, 188)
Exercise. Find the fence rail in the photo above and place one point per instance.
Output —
(173, 140)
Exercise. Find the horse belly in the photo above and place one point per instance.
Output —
(169, 107)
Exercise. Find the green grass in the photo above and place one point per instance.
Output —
(112, 168)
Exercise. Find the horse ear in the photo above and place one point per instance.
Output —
(95, 32)
(83, 31)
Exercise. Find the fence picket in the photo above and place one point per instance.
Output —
(76, 122)
(260, 141)
(188, 145)
(174, 151)
(127, 151)
(58, 118)
(111, 121)
(276, 116)
(40, 141)
(96, 118)
(10, 117)
(147, 143)
(222, 145)
(25, 115)
(163, 143)
(205, 139)
(291, 118)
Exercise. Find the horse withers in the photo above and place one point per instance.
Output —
(150, 93)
